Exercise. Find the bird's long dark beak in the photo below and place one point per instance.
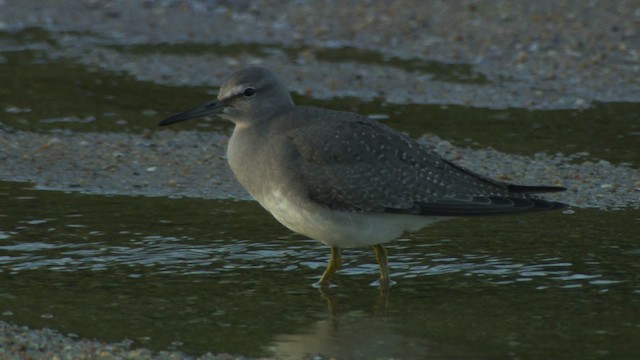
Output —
(210, 108)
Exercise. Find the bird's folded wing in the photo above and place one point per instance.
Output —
(366, 166)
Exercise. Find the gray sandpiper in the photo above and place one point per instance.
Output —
(343, 179)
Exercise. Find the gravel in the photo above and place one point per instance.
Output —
(163, 163)
(20, 342)
(543, 54)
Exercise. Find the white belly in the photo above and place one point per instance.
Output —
(339, 228)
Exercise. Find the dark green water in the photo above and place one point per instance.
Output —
(223, 276)
(200, 275)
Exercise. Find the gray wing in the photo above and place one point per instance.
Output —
(361, 165)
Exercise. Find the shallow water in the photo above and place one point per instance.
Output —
(223, 276)
(202, 275)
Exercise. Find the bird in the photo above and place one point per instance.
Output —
(344, 179)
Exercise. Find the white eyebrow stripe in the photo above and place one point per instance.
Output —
(236, 90)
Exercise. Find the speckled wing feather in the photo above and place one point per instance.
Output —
(355, 164)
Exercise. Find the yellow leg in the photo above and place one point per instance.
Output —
(381, 258)
(332, 267)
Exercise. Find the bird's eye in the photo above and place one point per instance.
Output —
(249, 92)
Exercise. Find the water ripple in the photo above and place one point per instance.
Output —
(170, 254)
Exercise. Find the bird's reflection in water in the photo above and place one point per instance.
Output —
(350, 332)
(333, 305)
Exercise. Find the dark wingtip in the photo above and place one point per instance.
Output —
(540, 204)
(534, 189)
(495, 205)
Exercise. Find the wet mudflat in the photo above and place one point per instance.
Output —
(139, 238)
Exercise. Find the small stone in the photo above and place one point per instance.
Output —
(580, 104)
